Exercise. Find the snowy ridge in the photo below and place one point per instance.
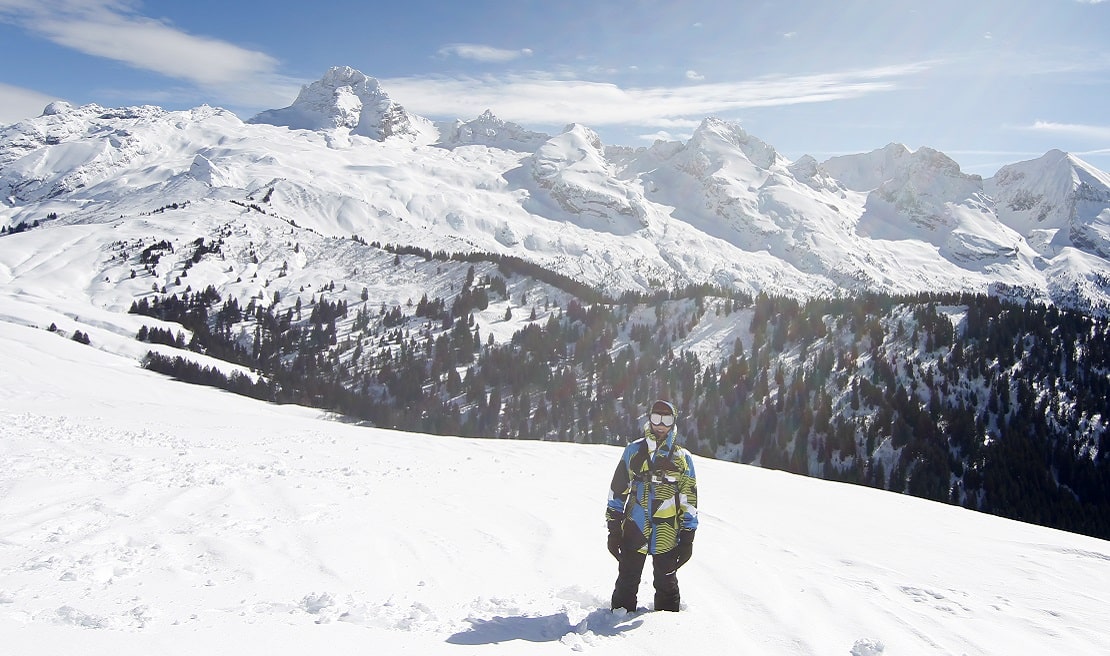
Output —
(722, 208)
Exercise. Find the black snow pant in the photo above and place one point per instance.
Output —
(664, 568)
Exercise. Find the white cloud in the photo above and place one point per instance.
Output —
(677, 123)
(1072, 129)
(111, 29)
(482, 53)
(665, 135)
(17, 103)
(694, 75)
(209, 69)
(541, 99)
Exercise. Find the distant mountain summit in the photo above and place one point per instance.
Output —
(1055, 201)
(488, 130)
(576, 175)
(344, 99)
(928, 198)
(866, 171)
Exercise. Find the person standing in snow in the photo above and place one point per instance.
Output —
(652, 509)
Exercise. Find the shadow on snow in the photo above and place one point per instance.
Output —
(548, 628)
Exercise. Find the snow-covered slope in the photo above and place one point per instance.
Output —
(142, 516)
(722, 208)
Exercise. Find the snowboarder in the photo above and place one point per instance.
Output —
(652, 509)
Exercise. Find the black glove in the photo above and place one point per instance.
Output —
(685, 547)
(616, 536)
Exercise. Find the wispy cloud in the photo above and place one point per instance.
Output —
(665, 135)
(17, 103)
(539, 98)
(112, 29)
(482, 53)
(694, 75)
(1072, 129)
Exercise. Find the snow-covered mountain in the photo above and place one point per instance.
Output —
(488, 130)
(722, 208)
(1056, 202)
(346, 100)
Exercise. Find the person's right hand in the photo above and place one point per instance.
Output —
(685, 547)
(615, 537)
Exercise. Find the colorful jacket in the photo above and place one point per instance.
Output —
(654, 497)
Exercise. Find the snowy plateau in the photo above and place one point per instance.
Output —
(139, 515)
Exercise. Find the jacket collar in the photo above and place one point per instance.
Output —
(666, 445)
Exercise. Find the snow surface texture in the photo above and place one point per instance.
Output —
(723, 208)
(144, 516)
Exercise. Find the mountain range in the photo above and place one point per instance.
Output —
(722, 208)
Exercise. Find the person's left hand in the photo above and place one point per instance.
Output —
(616, 535)
(685, 547)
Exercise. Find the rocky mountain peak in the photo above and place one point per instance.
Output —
(715, 136)
(488, 130)
(343, 99)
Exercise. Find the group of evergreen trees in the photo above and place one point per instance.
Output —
(964, 399)
(24, 226)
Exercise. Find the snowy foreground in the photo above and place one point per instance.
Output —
(143, 516)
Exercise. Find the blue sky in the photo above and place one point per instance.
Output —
(988, 82)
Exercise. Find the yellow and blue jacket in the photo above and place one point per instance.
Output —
(654, 494)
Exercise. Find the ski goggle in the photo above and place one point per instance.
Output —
(657, 419)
